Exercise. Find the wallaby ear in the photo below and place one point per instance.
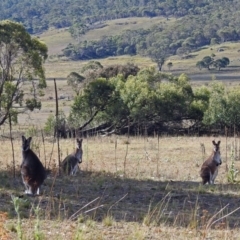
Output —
(29, 139)
(214, 142)
(23, 138)
(218, 142)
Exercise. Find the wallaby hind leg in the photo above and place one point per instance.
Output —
(27, 187)
(211, 180)
(38, 191)
(214, 176)
(28, 191)
(74, 170)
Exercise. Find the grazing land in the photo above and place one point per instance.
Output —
(128, 188)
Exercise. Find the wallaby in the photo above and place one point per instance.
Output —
(70, 163)
(209, 169)
(32, 170)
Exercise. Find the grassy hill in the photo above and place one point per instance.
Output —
(57, 39)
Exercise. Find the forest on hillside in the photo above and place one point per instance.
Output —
(198, 23)
(41, 15)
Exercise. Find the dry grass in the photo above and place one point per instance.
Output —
(157, 195)
(61, 69)
(56, 40)
(117, 26)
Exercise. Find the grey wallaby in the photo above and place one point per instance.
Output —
(209, 169)
(70, 164)
(32, 171)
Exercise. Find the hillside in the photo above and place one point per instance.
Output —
(58, 39)
(183, 26)
(60, 68)
(39, 16)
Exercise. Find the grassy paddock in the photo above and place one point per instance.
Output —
(128, 188)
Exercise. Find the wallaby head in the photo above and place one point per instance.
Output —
(216, 153)
(78, 153)
(26, 143)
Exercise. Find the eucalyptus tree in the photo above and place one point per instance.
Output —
(223, 106)
(91, 102)
(144, 100)
(232, 109)
(158, 55)
(174, 98)
(200, 65)
(169, 65)
(200, 103)
(216, 113)
(91, 65)
(206, 62)
(221, 63)
(21, 63)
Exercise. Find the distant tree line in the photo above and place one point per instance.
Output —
(39, 16)
(202, 23)
(188, 34)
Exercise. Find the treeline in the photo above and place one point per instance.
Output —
(41, 15)
(150, 100)
(198, 23)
